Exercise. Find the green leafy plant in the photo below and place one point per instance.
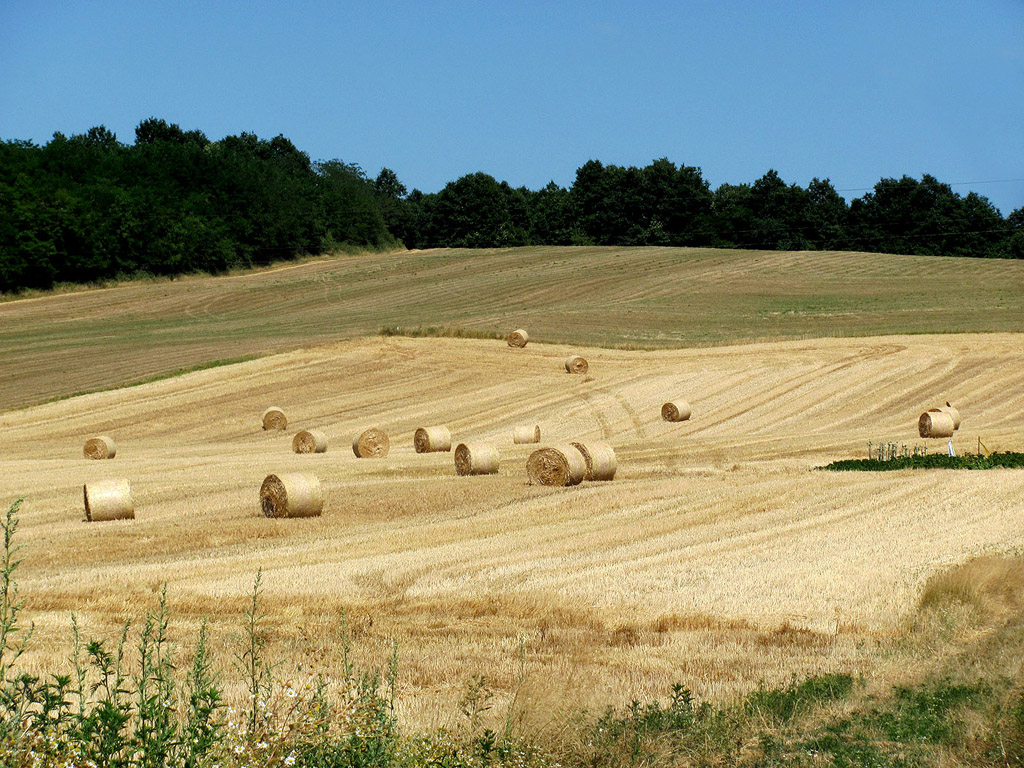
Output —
(898, 461)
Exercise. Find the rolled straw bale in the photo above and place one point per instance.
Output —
(575, 364)
(935, 424)
(600, 459)
(476, 459)
(677, 410)
(561, 464)
(518, 338)
(526, 434)
(108, 500)
(432, 439)
(291, 495)
(952, 410)
(274, 418)
(309, 441)
(101, 447)
(373, 443)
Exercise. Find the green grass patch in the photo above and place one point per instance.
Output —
(784, 704)
(998, 460)
(926, 714)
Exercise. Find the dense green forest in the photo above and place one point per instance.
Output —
(90, 207)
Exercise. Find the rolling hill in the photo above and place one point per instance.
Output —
(644, 298)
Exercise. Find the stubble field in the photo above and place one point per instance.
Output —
(717, 558)
(641, 298)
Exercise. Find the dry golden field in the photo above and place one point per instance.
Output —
(607, 297)
(717, 557)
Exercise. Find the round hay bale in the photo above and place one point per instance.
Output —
(476, 459)
(575, 364)
(274, 418)
(935, 424)
(561, 464)
(373, 443)
(518, 338)
(310, 441)
(600, 459)
(108, 500)
(527, 434)
(291, 495)
(952, 410)
(432, 439)
(678, 410)
(101, 447)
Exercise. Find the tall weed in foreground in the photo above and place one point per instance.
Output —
(10, 605)
(127, 706)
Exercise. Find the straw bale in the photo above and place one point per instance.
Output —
(291, 495)
(526, 434)
(518, 338)
(476, 459)
(952, 410)
(101, 447)
(561, 464)
(935, 424)
(108, 500)
(575, 364)
(600, 459)
(274, 418)
(677, 410)
(432, 439)
(372, 443)
(310, 441)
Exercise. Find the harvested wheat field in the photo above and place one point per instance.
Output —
(655, 298)
(716, 557)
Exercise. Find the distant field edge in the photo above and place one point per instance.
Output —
(145, 278)
(599, 297)
(139, 278)
(149, 379)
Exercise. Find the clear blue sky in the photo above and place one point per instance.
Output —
(529, 91)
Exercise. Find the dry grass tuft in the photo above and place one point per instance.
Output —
(990, 587)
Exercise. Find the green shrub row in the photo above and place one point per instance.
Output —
(1007, 459)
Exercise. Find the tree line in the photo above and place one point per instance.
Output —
(89, 207)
